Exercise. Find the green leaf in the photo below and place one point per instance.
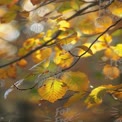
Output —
(76, 81)
(64, 7)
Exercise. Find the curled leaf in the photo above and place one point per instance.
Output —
(94, 97)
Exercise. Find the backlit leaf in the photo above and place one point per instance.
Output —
(118, 50)
(42, 54)
(62, 58)
(111, 72)
(94, 97)
(63, 25)
(52, 90)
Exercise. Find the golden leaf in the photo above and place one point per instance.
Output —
(22, 63)
(118, 50)
(42, 54)
(111, 72)
(116, 8)
(62, 58)
(63, 25)
(110, 53)
(94, 97)
(52, 90)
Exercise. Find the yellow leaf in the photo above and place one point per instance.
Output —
(62, 58)
(63, 25)
(52, 90)
(94, 97)
(31, 43)
(105, 39)
(103, 22)
(76, 81)
(98, 46)
(116, 8)
(111, 72)
(85, 48)
(110, 53)
(118, 50)
(42, 54)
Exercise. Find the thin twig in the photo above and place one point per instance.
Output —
(45, 44)
(63, 70)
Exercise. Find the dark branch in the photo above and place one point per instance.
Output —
(46, 43)
(78, 57)
(32, 51)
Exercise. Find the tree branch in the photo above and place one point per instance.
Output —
(45, 44)
(78, 57)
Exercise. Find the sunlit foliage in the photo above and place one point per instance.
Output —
(44, 39)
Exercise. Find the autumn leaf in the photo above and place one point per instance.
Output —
(42, 54)
(52, 90)
(76, 81)
(111, 54)
(31, 43)
(116, 8)
(63, 25)
(102, 43)
(85, 48)
(111, 72)
(34, 2)
(118, 49)
(94, 97)
(9, 72)
(22, 63)
(62, 58)
(12, 71)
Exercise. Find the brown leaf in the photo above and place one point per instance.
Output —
(34, 2)
(111, 72)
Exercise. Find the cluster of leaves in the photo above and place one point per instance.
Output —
(63, 32)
